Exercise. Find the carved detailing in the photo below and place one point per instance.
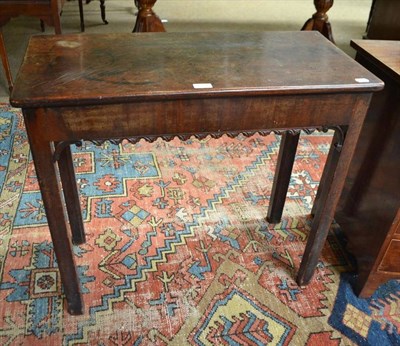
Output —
(215, 135)
(60, 146)
(322, 6)
(341, 132)
(319, 20)
(147, 20)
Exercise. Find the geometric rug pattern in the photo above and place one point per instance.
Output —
(178, 250)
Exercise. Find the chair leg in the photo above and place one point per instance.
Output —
(6, 65)
(103, 11)
(286, 156)
(80, 4)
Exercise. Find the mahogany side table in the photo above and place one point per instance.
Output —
(134, 86)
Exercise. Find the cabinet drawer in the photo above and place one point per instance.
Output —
(391, 260)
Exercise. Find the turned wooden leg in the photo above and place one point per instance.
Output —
(283, 171)
(147, 20)
(4, 60)
(319, 20)
(46, 170)
(71, 195)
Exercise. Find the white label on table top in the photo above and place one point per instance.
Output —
(362, 80)
(202, 86)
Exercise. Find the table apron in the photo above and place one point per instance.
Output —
(193, 116)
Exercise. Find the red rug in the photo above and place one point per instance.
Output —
(178, 250)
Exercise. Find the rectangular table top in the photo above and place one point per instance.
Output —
(384, 53)
(87, 69)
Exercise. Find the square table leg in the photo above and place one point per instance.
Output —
(327, 174)
(284, 166)
(46, 171)
(321, 210)
(283, 171)
(71, 195)
(334, 176)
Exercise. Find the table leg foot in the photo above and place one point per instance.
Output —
(75, 306)
(284, 166)
(147, 20)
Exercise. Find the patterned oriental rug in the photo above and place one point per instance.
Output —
(178, 250)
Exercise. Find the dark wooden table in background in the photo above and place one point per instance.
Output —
(100, 87)
(369, 208)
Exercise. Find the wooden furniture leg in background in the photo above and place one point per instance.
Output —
(4, 60)
(81, 16)
(319, 20)
(147, 20)
(102, 12)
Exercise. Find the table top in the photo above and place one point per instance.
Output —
(384, 53)
(87, 69)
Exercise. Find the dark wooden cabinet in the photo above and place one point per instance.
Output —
(368, 210)
(384, 20)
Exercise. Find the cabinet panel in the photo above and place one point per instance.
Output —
(384, 20)
(391, 259)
